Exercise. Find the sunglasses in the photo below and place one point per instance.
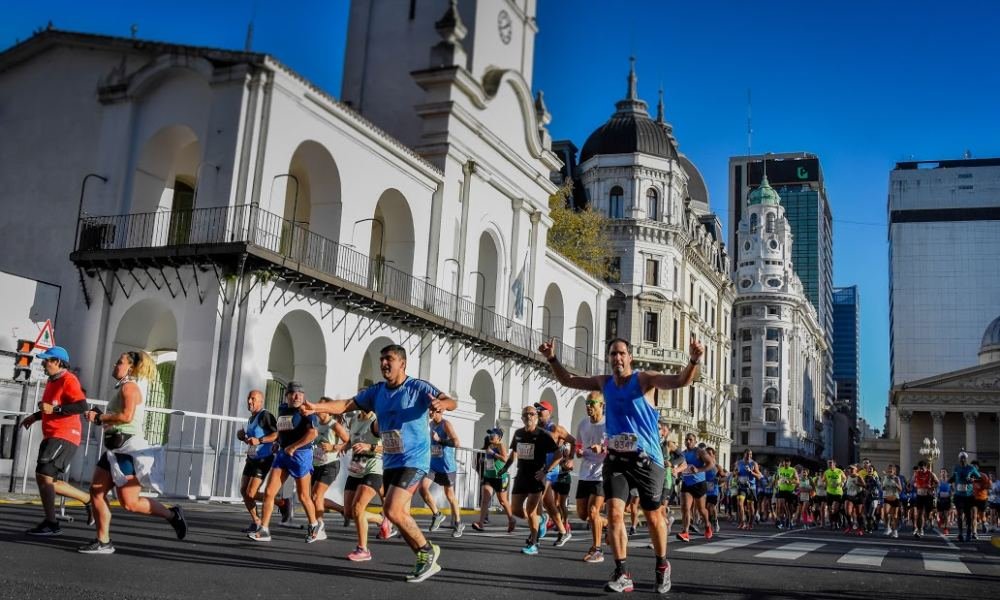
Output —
(594, 403)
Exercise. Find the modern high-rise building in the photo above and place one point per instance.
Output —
(846, 372)
(798, 179)
(944, 263)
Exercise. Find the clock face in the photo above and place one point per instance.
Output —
(504, 26)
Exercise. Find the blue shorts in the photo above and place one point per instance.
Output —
(552, 476)
(298, 465)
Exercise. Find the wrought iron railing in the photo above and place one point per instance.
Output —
(297, 244)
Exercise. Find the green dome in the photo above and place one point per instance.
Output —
(764, 194)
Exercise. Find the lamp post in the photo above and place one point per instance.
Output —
(587, 350)
(295, 204)
(930, 451)
(79, 212)
(530, 311)
(545, 324)
(480, 302)
(381, 237)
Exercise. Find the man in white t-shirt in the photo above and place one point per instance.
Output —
(591, 445)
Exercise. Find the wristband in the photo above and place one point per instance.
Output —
(695, 361)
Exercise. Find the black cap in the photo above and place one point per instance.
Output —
(293, 386)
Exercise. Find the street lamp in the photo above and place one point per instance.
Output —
(79, 212)
(480, 302)
(530, 311)
(545, 324)
(381, 237)
(930, 451)
(295, 201)
(587, 350)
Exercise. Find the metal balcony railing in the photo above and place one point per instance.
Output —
(295, 243)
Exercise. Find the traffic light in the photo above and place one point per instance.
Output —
(22, 360)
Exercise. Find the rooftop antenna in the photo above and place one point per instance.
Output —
(134, 28)
(248, 44)
(749, 123)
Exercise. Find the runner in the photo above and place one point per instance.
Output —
(331, 441)
(712, 478)
(293, 456)
(835, 479)
(127, 461)
(747, 474)
(854, 501)
(980, 497)
(924, 484)
(805, 492)
(943, 500)
(765, 496)
(788, 480)
(529, 447)
(994, 498)
(560, 490)
(444, 471)
(635, 459)
(891, 488)
(821, 501)
(259, 436)
(962, 476)
(63, 401)
(562, 437)
(495, 455)
(364, 482)
(401, 404)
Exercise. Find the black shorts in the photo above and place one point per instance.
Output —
(979, 505)
(623, 473)
(527, 485)
(257, 468)
(442, 479)
(497, 484)
(326, 474)
(125, 463)
(924, 502)
(747, 492)
(372, 480)
(562, 485)
(831, 498)
(894, 503)
(54, 457)
(711, 500)
(402, 477)
(787, 496)
(697, 490)
(586, 489)
(963, 502)
(944, 504)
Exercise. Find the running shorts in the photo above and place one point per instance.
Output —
(125, 463)
(697, 490)
(257, 468)
(326, 474)
(442, 479)
(54, 457)
(498, 484)
(372, 480)
(944, 504)
(831, 498)
(527, 484)
(624, 472)
(711, 500)
(924, 502)
(402, 477)
(787, 496)
(561, 486)
(298, 465)
(586, 489)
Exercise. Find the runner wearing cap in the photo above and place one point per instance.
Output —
(259, 435)
(549, 501)
(924, 484)
(943, 501)
(63, 401)
(635, 459)
(401, 404)
(747, 474)
(962, 476)
(494, 457)
(591, 447)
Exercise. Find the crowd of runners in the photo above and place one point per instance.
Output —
(396, 442)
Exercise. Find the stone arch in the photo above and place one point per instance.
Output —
(483, 392)
(579, 413)
(313, 197)
(553, 313)
(165, 181)
(370, 373)
(391, 245)
(297, 353)
(549, 395)
(583, 334)
(485, 279)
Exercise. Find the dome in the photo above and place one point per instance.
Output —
(630, 129)
(989, 349)
(764, 194)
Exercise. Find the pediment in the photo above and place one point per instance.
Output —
(983, 377)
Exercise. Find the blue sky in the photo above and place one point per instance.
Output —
(861, 84)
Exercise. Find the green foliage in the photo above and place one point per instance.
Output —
(579, 235)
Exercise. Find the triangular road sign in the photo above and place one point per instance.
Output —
(46, 337)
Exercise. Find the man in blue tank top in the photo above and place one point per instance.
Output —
(444, 472)
(401, 404)
(259, 436)
(635, 460)
(694, 486)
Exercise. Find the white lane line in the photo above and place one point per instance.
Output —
(717, 547)
(945, 563)
(790, 551)
(870, 557)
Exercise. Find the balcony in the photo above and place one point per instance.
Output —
(234, 239)
(651, 354)
(713, 429)
(677, 417)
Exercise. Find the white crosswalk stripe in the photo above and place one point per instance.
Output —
(945, 563)
(717, 547)
(791, 551)
(870, 557)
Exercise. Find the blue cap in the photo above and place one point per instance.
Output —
(54, 352)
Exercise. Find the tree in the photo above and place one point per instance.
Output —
(579, 235)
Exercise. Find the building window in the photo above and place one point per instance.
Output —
(746, 335)
(677, 282)
(744, 438)
(744, 414)
(677, 333)
(772, 354)
(773, 310)
(745, 372)
(652, 271)
(754, 223)
(616, 203)
(769, 228)
(652, 204)
(746, 311)
(611, 329)
(651, 327)
(771, 372)
(771, 439)
(770, 396)
(773, 334)
(615, 269)
(746, 355)
(745, 397)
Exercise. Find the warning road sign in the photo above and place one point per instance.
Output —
(46, 337)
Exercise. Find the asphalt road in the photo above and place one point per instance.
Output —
(217, 561)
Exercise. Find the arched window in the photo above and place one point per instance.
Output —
(616, 203)
(770, 415)
(770, 223)
(652, 204)
(770, 396)
(745, 396)
(754, 223)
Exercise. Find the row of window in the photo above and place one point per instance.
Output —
(616, 203)
(773, 310)
(770, 417)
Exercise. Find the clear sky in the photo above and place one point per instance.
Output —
(861, 84)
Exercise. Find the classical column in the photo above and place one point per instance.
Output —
(905, 451)
(970, 434)
(938, 418)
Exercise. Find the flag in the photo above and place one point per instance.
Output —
(518, 290)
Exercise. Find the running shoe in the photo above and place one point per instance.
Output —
(393, 532)
(384, 529)
(620, 582)
(960, 537)
(888, 532)
(694, 529)
(91, 519)
(97, 547)
(436, 521)
(895, 534)
(663, 579)
(263, 534)
(178, 522)
(360, 554)
(459, 528)
(312, 533)
(543, 526)
(321, 534)
(715, 526)
(684, 536)
(594, 555)
(562, 539)
(946, 532)
(708, 532)
(511, 525)
(287, 510)
(252, 527)
(530, 549)
(974, 536)
(45, 528)
(670, 522)
(631, 530)
(477, 526)
(426, 564)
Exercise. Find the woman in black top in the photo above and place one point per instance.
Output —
(529, 446)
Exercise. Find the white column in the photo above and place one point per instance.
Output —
(905, 452)
(970, 434)
(938, 418)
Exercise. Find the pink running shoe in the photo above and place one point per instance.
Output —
(360, 554)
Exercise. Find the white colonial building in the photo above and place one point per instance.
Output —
(670, 269)
(247, 228)
(779, 343)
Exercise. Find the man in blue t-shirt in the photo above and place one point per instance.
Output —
(962, 476)
(400, 404)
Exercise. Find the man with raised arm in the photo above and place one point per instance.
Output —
(635, 460)
(400, 404)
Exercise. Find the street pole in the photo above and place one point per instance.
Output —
(15, 437)
(79, 211)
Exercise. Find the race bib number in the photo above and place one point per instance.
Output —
(944, 495)
(319, 456)
(624, 442)
(357, 465)
(437, 450)
(392, 442)
(252, 451)
(744, 479)
(526, 450)
(922, 491)
(285, 423)
(804, 497)
(961, 487)
(711, 486)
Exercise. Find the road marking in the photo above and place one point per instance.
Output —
(720, 546)
(790, 551)
(945, 563)
(874, 541)
(871, 557)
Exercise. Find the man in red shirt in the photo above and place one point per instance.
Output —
(63, 401)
